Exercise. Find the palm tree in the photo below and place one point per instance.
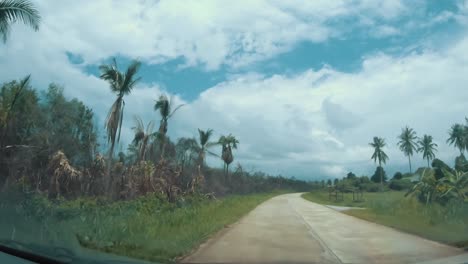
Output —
(14, 10)
(427, 147)
(203, 145)
(164, 106)
(407, 143)
(228, 143)
(457, 137)
(121, 83)
(142, 137)
(379, 155)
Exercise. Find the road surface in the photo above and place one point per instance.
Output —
(289, 229)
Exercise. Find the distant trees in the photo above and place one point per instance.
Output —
(398, 176)
(407, 143)
(164, 106)
(457, 135)
(33, 128)
(204, 144)
(427, 147)
(142, 137)
(379, 155)
(121, 83)
(227, 143)
(379, 175)
(351, 175)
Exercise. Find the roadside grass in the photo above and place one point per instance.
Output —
(447, 224)
(322, 197)
(147, 228)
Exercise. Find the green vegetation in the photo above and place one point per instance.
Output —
(427, 147)
(322, 197)
(17, 10)
(444, 223)
(407, 143)
(148, 227)
(447, 224)
(155, 200)
(379, 155)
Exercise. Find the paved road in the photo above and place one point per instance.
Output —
(289, 229)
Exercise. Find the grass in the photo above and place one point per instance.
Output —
(447, 224)
(146, 228)
(322, 197)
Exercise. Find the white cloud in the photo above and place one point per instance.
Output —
(325, 128)
(209, 32)
(308, 124)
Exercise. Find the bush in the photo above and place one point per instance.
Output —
(439, 165)
(461, 164)
(400, 185)
(371, 187)
(377, 174)
(398, 176)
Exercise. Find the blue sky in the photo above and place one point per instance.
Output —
(305, 86)
(344, 53)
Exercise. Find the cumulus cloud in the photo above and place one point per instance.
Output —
(309, 124)
(209, 33)
(324, 129)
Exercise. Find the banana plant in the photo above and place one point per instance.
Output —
(455, 184)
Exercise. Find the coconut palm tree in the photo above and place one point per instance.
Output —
(203, 145)
(457, 137)
(228, 143)
(121, 83)
(14, 10)
(427, 147)
(407, 143)
(379, 155)
(164, 105)
(142, 136)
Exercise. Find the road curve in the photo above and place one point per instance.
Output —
(289, 229)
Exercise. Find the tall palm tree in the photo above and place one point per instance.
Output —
(203, 145)
(427, 147)
(142, 136)
(379, 155)
(457, 137)
(228, 143)
(164, 105)
(407, 143)
(14, 10)
(121, 83)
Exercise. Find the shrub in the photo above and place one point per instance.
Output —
(398, 176)
(439, 166)
(400, 185)
(377, 174)
(371, 187)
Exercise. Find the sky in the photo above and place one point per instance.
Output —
(303, 85)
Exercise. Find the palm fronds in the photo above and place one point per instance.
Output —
(17, 10)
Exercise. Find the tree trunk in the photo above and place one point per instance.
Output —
(227, 175)
(381, 176)
(409, 160)
(428, 162)
(109, 167)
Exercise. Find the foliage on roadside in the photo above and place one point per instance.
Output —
(148, 227)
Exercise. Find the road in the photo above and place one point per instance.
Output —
(289, 229)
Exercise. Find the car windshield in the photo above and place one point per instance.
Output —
(258, 131)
